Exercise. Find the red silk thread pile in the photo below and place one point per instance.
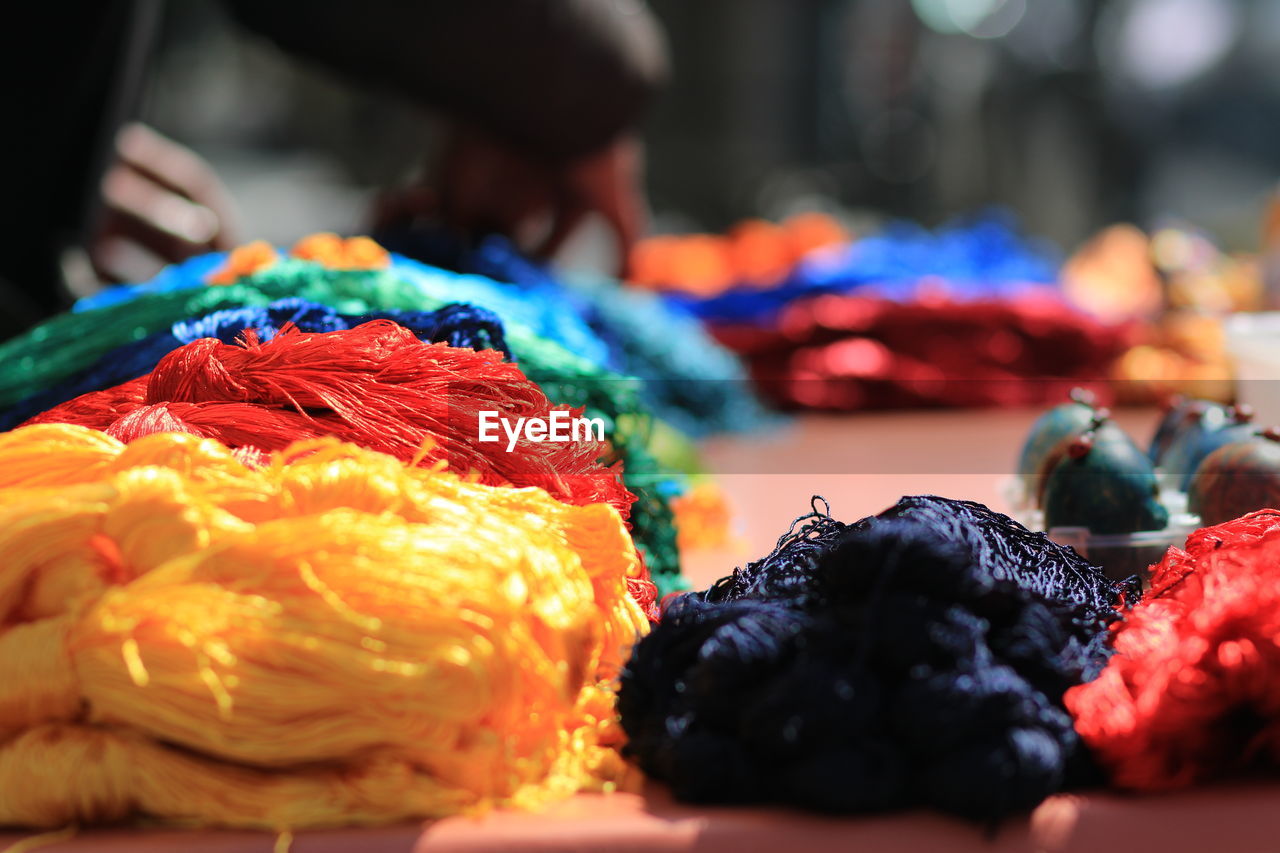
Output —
(846, 353)
(1193, 691)
(375, 385)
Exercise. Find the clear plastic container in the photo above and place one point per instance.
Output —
(1123, 554)
(1119, 554)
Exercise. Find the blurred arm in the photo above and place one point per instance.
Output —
(558, 77)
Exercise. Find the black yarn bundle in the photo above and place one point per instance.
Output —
(917, 657)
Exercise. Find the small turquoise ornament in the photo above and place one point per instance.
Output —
(1175, 415)
(1196, 418)
(1102, 481)
(1214, 427)
(1241, 428)
(1049, 430)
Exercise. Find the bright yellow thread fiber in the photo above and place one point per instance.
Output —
(334, 638)
(54, 457)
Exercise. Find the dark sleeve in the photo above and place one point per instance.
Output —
(67, 92)
(560, 77)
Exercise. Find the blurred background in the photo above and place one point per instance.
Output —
(1073, 113)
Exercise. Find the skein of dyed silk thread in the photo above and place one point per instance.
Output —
(350, 639)
(71, 343)
(457, 324)
(918, 657)
(376, 385)
(1193, 691)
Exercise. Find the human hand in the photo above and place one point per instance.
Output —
(484, 185)
(160, 201)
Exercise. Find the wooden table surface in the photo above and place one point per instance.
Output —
(861, 464)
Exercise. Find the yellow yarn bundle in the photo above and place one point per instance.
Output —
(335, 638)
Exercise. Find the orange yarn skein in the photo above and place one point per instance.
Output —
(334, 638)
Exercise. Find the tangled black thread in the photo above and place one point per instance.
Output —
(917, 657)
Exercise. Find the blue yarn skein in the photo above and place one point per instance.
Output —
(456, 324)
(917, 657)
(983, 257)
(550, 318)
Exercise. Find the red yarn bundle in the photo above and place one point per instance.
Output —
(849, 352)
(1193, 691)
(376, 385)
